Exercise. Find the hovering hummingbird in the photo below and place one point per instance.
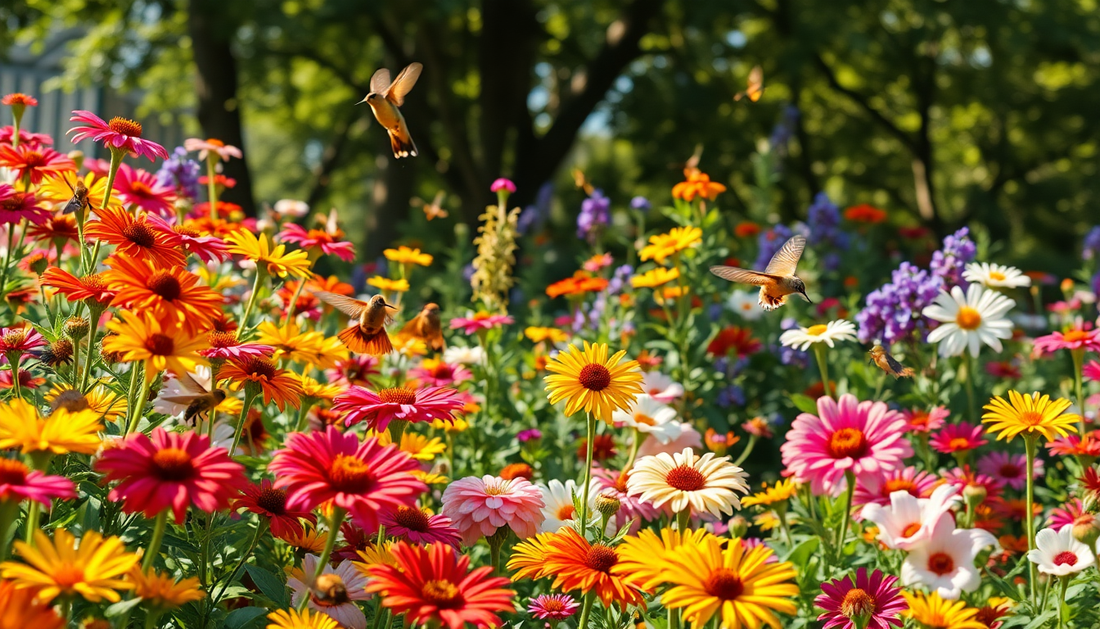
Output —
(426, 327)
(368, 334)
(434, 208)
(199, 401)
(754, 87)
(775, 282)
(384, 100)
(887, 363)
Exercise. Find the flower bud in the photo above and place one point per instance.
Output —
(1086, 529)
(739, 526)
(974, 495)
(76, 328)
(38, 263)
(607, 505)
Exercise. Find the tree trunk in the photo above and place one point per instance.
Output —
(393, 188)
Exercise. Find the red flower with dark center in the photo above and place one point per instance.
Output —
(35, 162)
(734, 339)
(269, 502)
(16, 206)
(416, 527)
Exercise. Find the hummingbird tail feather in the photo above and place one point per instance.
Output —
(377, 344)
(402, 145)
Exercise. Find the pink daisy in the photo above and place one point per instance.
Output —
(25, 137)
(400, 403)
(1066, 514)
(19, 483)
(319, 240)
(205, 248)
(205, 147)
(502, 184)
(552, 606)
(118, 134)
(170, 470)
(630, 507)
(34, 161)
(356, 370)
(438, 373)
(960, 437)
(16, 206)
(1086, 446)
(135, 186)
(864, 438)
(1091, 371)
(923, 421)
(224, 345)
(1009, 469)
(479, 506)
(871, 601)
(416, 527)
(480, 321)
(270, 503)
(14, 342)
(363, 478)
(877, 489)
(1074, 338)
(962, 476)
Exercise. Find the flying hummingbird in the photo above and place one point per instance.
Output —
(775, 282)
(426, 327)
(384, 100)
(884, 361)
(368, 334)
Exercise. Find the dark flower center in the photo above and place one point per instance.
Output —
(594, 377)
(399, 395)
(140, 189)
(125, 126)
(12, 472)
(256, 366)
(13, 203)
(941, 564)
(350, 475)
(33, 158)
(173, 464)
(140, 234)
(412, 519)
(441, 593)
(601, 558)
(685, 478)
(847, 442)
(273, 501)
(1010, 470)
(724, 584)
(160, 345)
(165, 285)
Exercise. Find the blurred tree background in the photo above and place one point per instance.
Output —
(943, 113)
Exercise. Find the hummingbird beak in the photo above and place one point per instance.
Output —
(365, 99)
(391, 306)
(805, 296)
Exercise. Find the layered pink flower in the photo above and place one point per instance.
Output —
(25, 137)
(119, 133)
(960, 477)
(416, 527)
(872, 596)
(502, 184)
(480, 506)
(877, 489)
(633, 508)
(225, 345)
(319, 240)
(170, 470)
(1066, 514)
(135, 186)
(16, 206)
(362, 477)
(480, 321)
(14, 342)
(1091, 371)
(864, 438)
(437, 373)
(205, 147)
(19, 483)
(1075, 338)
(922, 421)
(960, 437)
(1009, 469)
(271, 503)
(356, 370)
(552, 606)
(1087, 445)
(400, 403)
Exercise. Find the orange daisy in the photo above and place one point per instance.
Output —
(169, 293)
(697, 184)
(277, 384)
(162, 346)
(91, 289)
(58, 229)
(135, 236)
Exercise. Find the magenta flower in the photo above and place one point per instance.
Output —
(319, 240)
(416, 527)
(552, 606)
(877, 489)
(479, 506)
(960, 437)
(400, 403)
(16, 206)
(1087, 445)
(34, 162)
(25, 137)
(633, 507)
(1066, 515)
(205, 147)
(962, 476)
(19, 483)
(438, 373)
(119, 134)
(14, 342)
(170, 470)
(1009, 469)
(225, 345)
(864, 438)
(502, 184)
(481, 321)
(205, 248)
(362, 477)
(1075, 338)
(1091, 371)
(356, 370)
(141, 188)
(871, 601)
(922, 421)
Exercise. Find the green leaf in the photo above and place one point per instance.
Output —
(238, 618)
(121, 607)
(804, 403)
(1042, 619)
(801, 553)
(269, 584)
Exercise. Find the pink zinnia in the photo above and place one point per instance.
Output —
(142, 188)
(205, 248)
(877, 489)
(922, 421)
(399, 403)
(871, 601)
(1009, 469)
(1091, 371)
(437, 373)
(19, 99)
(319, 240)
(633, 508)
(205, 147)
(479, 506)
(502, 184)
(416, 527)
(864, 438)
(552, 606)
(16, 206)
(1074, 338)
(25, 137)
(270, 503)
(1066, 515)
(19, 483)
(170, 470)
(960, 437)
(480, 321)
(118, 134)
(14, 342)
(362, 477)
(225, 345)
(356, 370)
(26, 380)
(962, 476)
(34, 161)
(1087, 445)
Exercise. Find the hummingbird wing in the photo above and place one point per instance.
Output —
(181, 399)
(754, 88)
(786, 259)
(347, 305)
(744, 276)
(403, 84)
(188, 382)
(380, 81)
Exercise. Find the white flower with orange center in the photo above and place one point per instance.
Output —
(995, 275)
(945, 562)
(560, 507)
(829, 334)
(970, 320)
(704, 484)
(743, 303)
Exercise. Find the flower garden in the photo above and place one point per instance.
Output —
(202, 426)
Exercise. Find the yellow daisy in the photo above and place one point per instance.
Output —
(430, 478)
(643, 555)
(779, 492)
(60, 433)
(163, 591)
(58, 187)
(1031, 415)
(932, 612)
(540, 334)
(274, 259)
(662, 246)
(387, 285)
(654, 278)
(373, 555)
(105, 402)
(406, 255)
(591, 381)
(93, 568)
(160, 346)
(305, 619)
(421, 447)
(332, 351)
(310, 540)
(314, 389)
(290, 342)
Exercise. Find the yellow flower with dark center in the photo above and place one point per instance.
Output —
(540, 334)
(60, 433)
(275, 260)
(310, 540)
(655, 277)
(644, 555)
(591, 381)
(1030, 415)
(103, 401)
(163, 591)
(305, 619)
(406, 255)
(58, 187)
(385, 284)
(662, 246)
(161, 346)
(93, 568)
(373, 555)
(779, 492)
(930, 611)
(290, 342)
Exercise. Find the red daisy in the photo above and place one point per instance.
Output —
(29, 160)
(961, 437)
(1086, 446)
(14, 342)
(25, 137)
(170, 470)
(118, 134)
(19, 483)
(364, 478)
(277, 385)
(135, 236)
(58, 229)
(16, 206)
(400, 403)
(26, 380)
(269, 502)
(435, 584)
(135, 186)
(416, 527)
(19, 99)
(91, 289)
(356, 370)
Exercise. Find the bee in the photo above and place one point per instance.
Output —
(755, 87)
(200, 401)
(80, 201)
(329, 589)
(887, 363)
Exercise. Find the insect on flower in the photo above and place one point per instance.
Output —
(884, 361)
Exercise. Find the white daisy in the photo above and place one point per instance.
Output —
(743, 302)
(995, 275)
(704, 484)
(1059, 553)
(464, 355)
(803, 338)
(291, 208)
(969, 320)
(338, 600)
(908, 521)
(651, 418)
(661, 387)
(945, 563)
(559, 509)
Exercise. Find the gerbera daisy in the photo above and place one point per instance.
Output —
(944, 562)
(14, 342)
(960, 437)
(480, 506)
(846, 436)
(414, 526)
(119, 134)
(397, 404)
(168, 293)
(642, 555)
(591, 381)
(91, 289)
(779, 492)
(868, 601)
(206, 248)
(1068, 513)
(311, 540)
(1076, 338)
(278, 385)
(553, 607)
(62, 432)
(921, 421)
(655, 277)
(334, 593)
(1008, 468)
(160, 345)
(1085, 448)
(697, 184)
(270, 503)
(406, 255)
(32, 163)
(19, 483)
(476, 322)
(16, 206)
(440, 373)
(163, 592)
(136, 236)
(275, 260)
(559, 501)
(995, 275)
(170, 470)
(305, 619)
(92, 569)
(968, 321)
(318, 241)
(802, 338)
(661, 387)
(21, 607)
(703, 484)
(736, 340)
(576, 564)
(140, 188)
(224, 345)
(931, 611)
(661, 246)
(291, 343)
(363, 478)
(435, 585)
(877, 489)
(1031, 415)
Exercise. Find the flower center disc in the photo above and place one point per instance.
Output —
(594, 377)
(350, 475)
(857, 603)
(817, 330)
(997, 276)
(441, 593)
(685, 478)
(968, 318)
(140, 235)
(272, 501)
(166, 286)
(724, 584)
(565, 512)
(1076, 336)
(173, 464)
(256, 366)
(900, 484)
(12, 472)
(125, 126)
(847, 443)
(412, 519)
(1010, 471)
(941, 564)
(1065, 558)
(601, 558)
(160, 344)
(399, 395)
(911, 529)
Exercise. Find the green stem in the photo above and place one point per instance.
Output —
(9, 509)
(586, 609)
(781, 514)
(31, 524)
(842, 532)
(93, 319)
(1061, 599)
(1078, 363)
(154, 543)
(823, 366)
(293, 302)
(7, 259)
(249, 398)
(261, 528)
(639, 437)
(683, 520)
(336, 518)
(1030, 447)
(969, 379)
(747, 451)
(303, 420)
(587, 474)
(116, 162)
(15, 376)
(211, 187)
(139, 407)
(251, 300)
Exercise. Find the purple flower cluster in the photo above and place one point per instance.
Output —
(823, 220)
(893, 312)
(790, 355)
(732, 395)
(950, 262)
(595, 211)
(769, 242)
(181, 173)
(783, 130)
(1091, 246)
(619, 279)
(640, 203)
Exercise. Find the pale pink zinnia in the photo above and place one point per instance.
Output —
(1010, 469)
(877, 489)
(1075, 338)
(477, 322)
(361, 477)
(399, 403)
(139, 187)
(205, 147)
(480, 506)
(118, 134)
(922, 421)
(415, 526)
(19, 483)
(960, 437)
(170, 470)
(864, 438)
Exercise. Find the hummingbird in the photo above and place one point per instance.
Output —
(777, 281)
(384, 100)
(426, 327)
(368, 334)
(434, 208)
(200, 401)
(887, 363)
(754, 87)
